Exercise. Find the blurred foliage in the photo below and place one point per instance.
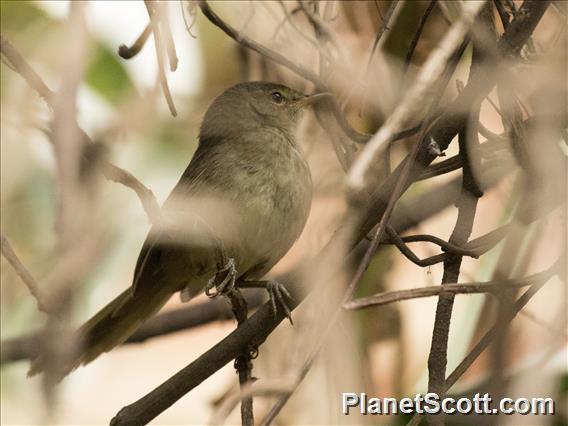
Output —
(24, 23)
(107, 76)
(19, 16)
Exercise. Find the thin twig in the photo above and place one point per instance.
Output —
(154, 13)
(19, 64)
(264, 389)
(24, 275)
(145, 194)
(246, 41)
(418, 34)
(288, 19)
(493, 287)
(109, 170)
(380, 31)
(416, 98)
(320, 27)
(168, 38)
(126, 52)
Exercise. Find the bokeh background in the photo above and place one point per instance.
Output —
(381, 351)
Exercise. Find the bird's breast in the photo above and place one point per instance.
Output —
(274, 202)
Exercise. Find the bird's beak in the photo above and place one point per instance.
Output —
(312, 99)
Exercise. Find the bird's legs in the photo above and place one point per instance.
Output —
(277, 293)
(226, 283)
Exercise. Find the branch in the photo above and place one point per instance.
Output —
(24, 275)
(145, 194)
(467, 207)
(109, 170)
(380, 31)
(418, 34)
(21, 66)
(416, 99)
(251, 44)
(126, 52)
(182, 319)
(156, 17)
(243, 363)
(492, 287)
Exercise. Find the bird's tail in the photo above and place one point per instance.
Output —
(111, 326)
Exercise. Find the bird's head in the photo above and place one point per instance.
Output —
(252, 105)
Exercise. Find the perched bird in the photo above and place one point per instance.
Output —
(237, 209)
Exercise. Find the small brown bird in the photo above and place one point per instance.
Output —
(237, 209)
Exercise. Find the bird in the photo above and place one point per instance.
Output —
(238, 207)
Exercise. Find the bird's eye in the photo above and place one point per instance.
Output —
(277, 97)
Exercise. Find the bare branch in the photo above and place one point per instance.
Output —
(264, 389)
(416, 99)
(110, 171)
(247, 42)
(492, 287)
(21, 66)
(24, 275)
(380, 31)
(126, 52)
(147, 197)
(418, 34)
(155, 14)
(243, 363)
(467, 207)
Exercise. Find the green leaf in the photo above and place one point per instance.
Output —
(17, 16)
(107, 76)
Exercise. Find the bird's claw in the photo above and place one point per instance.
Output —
(226, 284)
(277, 293)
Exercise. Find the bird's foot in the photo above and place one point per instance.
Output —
(223, 280)
(278, 295)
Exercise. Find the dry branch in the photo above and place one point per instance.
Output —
(109, 170)
(492, 287)
(126, 52)
(418, 34)
(24, 275)
(155, 13)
